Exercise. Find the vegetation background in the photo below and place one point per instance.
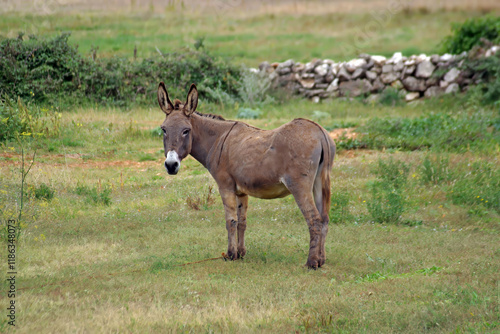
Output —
(414, 233)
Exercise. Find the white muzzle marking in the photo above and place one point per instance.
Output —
(172, 162)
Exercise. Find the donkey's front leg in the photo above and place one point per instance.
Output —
(230, 207)
(242, 224)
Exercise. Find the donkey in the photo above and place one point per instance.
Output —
(295, 158)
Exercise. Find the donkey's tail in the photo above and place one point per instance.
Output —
(328, 152)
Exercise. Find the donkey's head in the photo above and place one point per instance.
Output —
(177, 138)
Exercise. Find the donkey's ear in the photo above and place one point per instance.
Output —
(163, 100)
(191, 101)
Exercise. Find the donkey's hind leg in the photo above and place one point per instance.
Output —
(303, 195)
(242, 224)
(321, 193)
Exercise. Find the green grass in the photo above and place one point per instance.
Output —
(105, 258)
(434, 270)
(247, 39)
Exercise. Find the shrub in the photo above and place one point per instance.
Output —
(387, 202)
(253, 88)
(249, 113)
(488, 71)
(468, 34)
(47, 70)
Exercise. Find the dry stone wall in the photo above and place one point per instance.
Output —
(414, 77)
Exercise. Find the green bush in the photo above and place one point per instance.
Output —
(249, 113)
(16, 118)
(387, 202)
(488, 70)
(51, 70)
(468, 34)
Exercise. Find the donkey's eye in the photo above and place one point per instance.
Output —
(185, 132)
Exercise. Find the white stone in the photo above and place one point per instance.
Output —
(315, 99)
(443, 84)
(396, 58)
(411, 96)
(452, 75)
(446, 57)
(354, 64)
(379, 60)
(321, 69)
(333, 86)
(452, 88)
(425, 69)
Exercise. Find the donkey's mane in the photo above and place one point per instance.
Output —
(179, 104)
(212, 116)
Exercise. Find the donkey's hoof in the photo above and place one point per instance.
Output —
(321, 262)
(312, 264)
(241, 252)
(232, 255)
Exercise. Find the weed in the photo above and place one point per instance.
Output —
(447, 131)
(390, 97)
(198, 203)
(95, 195)
(43, 191)
(387, 202)
(16, 118)
(435, 170)
(478, 185)
(339, 209)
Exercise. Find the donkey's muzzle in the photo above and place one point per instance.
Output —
(172, 162)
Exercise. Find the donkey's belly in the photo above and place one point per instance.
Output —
(264, 191)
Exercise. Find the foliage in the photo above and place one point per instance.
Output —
(447, 131)
(253, 88)
(43, 191)
(387, 201)
(469, 34)
(488, 71)
(390, 97)
(435, 170)
(48, 70)
(339, 208)
(97, 195)
(478, 185)
(16, 118)
(249, 113)
(198, 203)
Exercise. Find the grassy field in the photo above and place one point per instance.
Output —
(249, 39)
(104, 255)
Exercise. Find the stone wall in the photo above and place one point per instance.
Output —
(414, 77)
